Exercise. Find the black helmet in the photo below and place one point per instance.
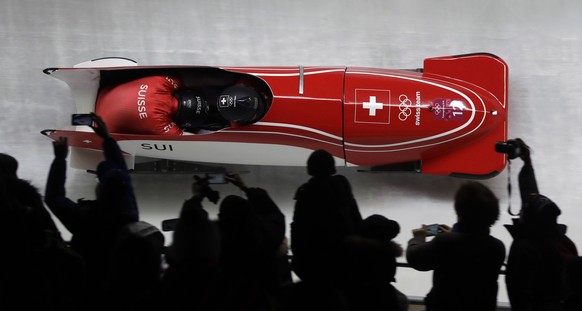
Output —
(192, 109)
(241, 104)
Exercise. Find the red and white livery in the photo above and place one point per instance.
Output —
(442, 119)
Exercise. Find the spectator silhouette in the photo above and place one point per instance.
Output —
(40, 271)
(94, 224)
(325, 214)
(252, 232)
(191, 280)
(573, 301)
(466, 260)
(370, 266)
(540, 251)
(135, 276)
(26, 195)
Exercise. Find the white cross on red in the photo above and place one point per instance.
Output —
(372, 105)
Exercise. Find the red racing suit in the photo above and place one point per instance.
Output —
(142, 106)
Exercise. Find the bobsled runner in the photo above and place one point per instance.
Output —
(442, 119)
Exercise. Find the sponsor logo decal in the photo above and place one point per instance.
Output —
(417, 114)
(407, 108)
(158, 147)
(226, 101)
(141, 101)
(404, 107)
(448, 110)
(372, 106)
(174, 83)
(170, 126)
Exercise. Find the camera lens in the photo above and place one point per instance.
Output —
(511, 148)
(501, 147)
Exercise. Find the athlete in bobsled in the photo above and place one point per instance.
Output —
(163, 105)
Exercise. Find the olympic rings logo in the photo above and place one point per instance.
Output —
(404, 107)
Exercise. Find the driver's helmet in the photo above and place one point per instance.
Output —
(240, 103)
(192, 109)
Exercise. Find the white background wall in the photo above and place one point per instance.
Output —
(540, 40)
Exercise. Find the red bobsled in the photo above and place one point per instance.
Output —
(442, 119)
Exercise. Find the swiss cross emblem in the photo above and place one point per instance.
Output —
(372, 106)
(225, 101)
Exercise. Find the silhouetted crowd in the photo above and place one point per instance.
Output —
(241, 260)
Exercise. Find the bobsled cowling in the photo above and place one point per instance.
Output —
(442, 119)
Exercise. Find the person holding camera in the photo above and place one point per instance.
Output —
(369, 266)
(326, 212)
(466, 259)
(40, 270)
(191, 279)
(541, 251)
(252, 231)
(94, 224)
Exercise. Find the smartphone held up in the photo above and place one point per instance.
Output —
(82, 119)
(432, 230)
(216, 178)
